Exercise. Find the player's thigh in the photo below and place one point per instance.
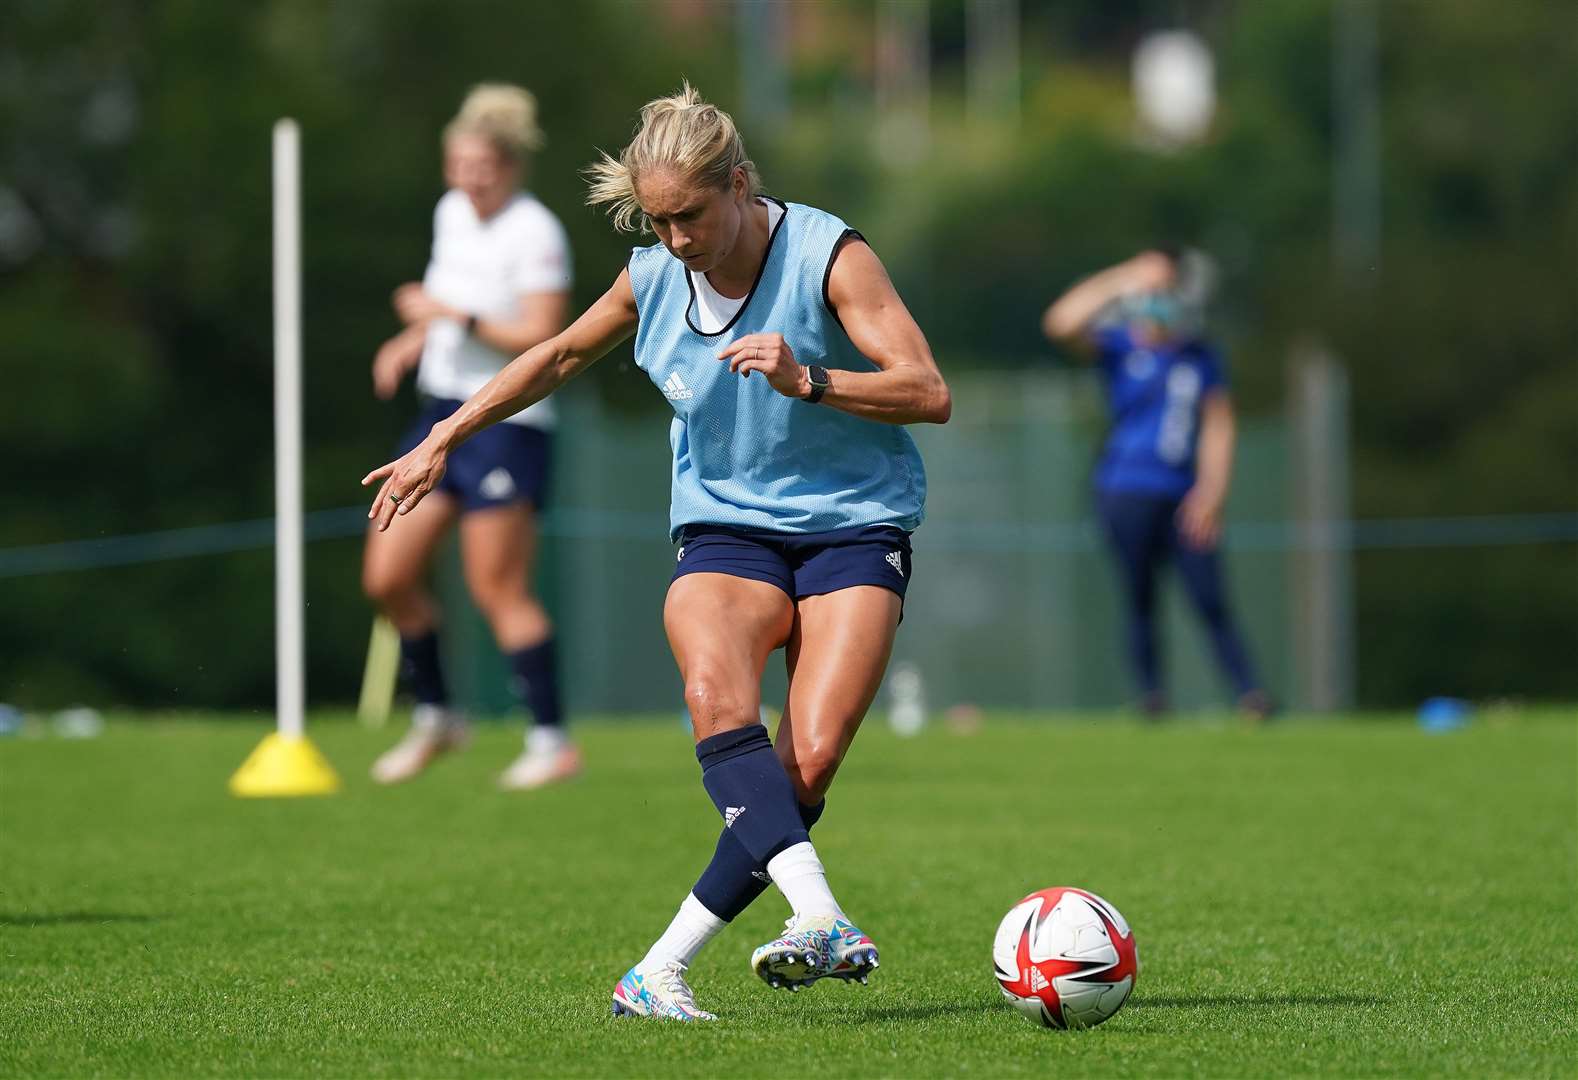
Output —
(398, 557)
(498, 550)
(722, 629)
(838, 655)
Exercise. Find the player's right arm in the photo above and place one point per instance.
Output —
(527, 379)
(1067, 321)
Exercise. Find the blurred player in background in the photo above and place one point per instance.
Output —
(1163, 475)
(793, 498)
(497, 284)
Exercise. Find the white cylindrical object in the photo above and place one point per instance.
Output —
(289, 602)
(1175, 85)
(906, 699)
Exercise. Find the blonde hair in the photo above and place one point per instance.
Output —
(680, 132)
(503, 114)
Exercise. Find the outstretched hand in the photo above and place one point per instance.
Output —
(771, 355)
(405, 481)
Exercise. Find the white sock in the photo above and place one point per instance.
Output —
(541, 739)
(798, 873)
(693, 927)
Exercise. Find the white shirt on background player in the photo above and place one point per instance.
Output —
(484, 267)
(713, 309)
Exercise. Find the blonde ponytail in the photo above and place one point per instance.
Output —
(503, 114)
(679, 132)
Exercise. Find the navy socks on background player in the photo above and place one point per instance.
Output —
(535, 670)
(537, 683)
(423, 670)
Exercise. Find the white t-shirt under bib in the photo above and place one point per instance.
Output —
(484, 267)
(714, 310)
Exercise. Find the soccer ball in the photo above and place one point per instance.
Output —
(1065, 958)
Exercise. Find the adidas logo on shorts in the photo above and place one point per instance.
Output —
(731, 814)
(896, 561)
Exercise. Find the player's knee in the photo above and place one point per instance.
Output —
(715, 706)
(813, 769)
(387, 588)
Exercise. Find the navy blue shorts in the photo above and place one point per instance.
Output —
(500, 465)
(801, 564)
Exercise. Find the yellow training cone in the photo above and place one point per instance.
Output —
(284, 766)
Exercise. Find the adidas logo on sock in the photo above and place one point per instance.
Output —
(896, 561)
(674, 388)
(731, 814)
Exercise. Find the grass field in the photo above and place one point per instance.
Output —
(1354, 898)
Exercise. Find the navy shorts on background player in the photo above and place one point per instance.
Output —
(500, 465)
(805, 564)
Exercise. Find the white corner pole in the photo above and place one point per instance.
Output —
(289, 602)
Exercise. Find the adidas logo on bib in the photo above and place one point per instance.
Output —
(674, 388)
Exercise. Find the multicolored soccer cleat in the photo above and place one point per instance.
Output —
(662, 995)
(812, 948)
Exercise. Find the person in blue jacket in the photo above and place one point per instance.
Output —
(1166, 465)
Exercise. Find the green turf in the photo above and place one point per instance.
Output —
(1355, 898)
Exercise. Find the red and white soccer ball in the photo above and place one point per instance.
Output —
(1065, 958)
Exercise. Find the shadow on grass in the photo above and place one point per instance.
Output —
(73, 918)
(1239, 1001)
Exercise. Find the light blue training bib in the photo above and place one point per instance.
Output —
(745, 456)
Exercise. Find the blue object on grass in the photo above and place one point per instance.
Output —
(1444, 713)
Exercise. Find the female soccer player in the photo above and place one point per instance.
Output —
(792, 366)
(1164, 472)
(498, 283)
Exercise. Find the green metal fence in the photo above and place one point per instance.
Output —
(1014, 602)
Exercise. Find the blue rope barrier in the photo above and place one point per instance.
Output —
(1368, 534)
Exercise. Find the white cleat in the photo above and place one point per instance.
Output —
(547, 759)
(434, 730)
(660, 995)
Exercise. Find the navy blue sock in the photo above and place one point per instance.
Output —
(749, 787)
(419, 659)
(733, 880)
(537, 682)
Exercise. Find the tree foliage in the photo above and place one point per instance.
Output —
(134, 257)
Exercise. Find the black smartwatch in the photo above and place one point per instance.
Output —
(820, 381)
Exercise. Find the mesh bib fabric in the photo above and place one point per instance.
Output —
(744, 455)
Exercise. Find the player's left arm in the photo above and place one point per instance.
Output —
(1200, 513)
(907, 388)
